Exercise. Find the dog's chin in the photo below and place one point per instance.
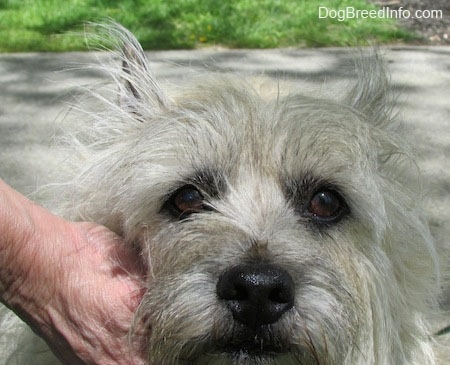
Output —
(245, 358)
(250, 349)
(247, 354)
(253, 347)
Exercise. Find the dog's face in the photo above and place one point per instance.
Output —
(275, 231)
(259, 234)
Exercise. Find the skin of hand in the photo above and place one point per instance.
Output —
(75, 284)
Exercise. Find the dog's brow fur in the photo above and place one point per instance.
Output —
(211, 181)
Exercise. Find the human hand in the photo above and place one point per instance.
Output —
(75, 284)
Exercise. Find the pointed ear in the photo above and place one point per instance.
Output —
(130, 64)
(138, 83)
(372, 93)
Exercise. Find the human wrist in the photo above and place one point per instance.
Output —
(25, 250)
(17, 229)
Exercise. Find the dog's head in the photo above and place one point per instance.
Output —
(279, 231)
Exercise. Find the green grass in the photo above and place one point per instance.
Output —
(57, 25)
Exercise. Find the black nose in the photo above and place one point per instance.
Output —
(256, 293)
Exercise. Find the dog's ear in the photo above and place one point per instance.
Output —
(133, 61)
(137, 79)
(372, 94)
(137, 85)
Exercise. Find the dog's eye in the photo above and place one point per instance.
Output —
(325, 205)
(186, 200)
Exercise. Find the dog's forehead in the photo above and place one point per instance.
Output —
(320, 136)
(295, 135)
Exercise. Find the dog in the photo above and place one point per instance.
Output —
(282, 230)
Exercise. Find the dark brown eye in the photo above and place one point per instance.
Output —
(326, 205)
(185, 201)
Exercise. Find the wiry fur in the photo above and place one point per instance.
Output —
(363, 285)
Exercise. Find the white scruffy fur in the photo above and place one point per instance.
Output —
(364, 284)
